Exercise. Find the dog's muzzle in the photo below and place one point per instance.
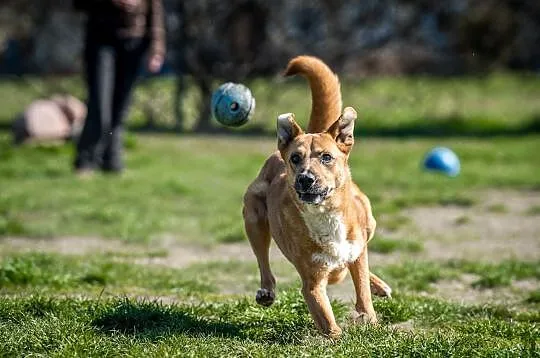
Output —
(308, 191)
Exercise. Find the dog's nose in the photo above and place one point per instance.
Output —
(305, 181)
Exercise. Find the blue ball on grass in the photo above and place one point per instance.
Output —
(232, 104)
(443, 160)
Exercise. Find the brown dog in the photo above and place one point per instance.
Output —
(305, 199)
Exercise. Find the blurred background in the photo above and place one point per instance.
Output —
(213, 41)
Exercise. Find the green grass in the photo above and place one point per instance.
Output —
(47, 307)
(192, 187)
(462, 220)
(533, 210)
(107, 328)
(501, 103)
(39, 271)
(414, 275)
(188, 189)
(499, 274)
(419, 275)
(67, 273)
(394, 222)
(534, 297)
(497, 208)
(387, 245)
(60, 272)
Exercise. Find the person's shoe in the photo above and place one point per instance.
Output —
(84, 173)
(108, 168)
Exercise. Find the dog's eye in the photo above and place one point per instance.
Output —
(326, 158)
(296, 158)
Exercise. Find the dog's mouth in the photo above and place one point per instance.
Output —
(313, 196)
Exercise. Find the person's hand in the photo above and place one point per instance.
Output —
(126, 5)
(155, 61)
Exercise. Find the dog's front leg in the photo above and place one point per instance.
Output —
(314, 291)
(258, 232)
(360, 275)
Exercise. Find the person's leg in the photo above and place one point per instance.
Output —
(99, 60)
(130, 53)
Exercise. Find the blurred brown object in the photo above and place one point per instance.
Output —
(59, 117)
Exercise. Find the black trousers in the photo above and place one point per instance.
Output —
(111, 67)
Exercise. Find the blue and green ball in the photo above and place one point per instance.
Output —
(232, 104)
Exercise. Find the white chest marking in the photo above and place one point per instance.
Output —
(329, 231)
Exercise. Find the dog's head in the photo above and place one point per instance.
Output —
(316, 162)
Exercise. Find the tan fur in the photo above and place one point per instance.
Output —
(325, 91)
(305, 200)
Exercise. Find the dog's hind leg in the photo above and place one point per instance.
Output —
(258, 233)
(379, 287)
(361, 278)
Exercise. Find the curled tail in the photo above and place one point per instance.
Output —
(325, 91)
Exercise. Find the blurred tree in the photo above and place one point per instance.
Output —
(217, 41)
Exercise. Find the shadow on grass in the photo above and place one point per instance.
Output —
(454, 126)
(152, 320)
(448, 126)
(239, 320)
(428, 127)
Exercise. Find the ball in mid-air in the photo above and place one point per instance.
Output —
(232, 104)
(442, 160)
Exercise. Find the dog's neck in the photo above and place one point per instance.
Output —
(324, 226)
(336, 205)
(329, 228)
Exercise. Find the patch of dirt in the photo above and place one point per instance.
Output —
(460, 290)
(496, 228)
(407, 326)
(65, 245)
(184, 255)
(479, 232)
(446, 234)
(175, 254)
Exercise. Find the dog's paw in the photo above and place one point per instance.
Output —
(334, 333)
(265, 297)
(381, 290)
(363, 318)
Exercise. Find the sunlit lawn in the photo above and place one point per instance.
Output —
(188, 188)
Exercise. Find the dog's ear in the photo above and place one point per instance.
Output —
(287, 130)
(342, 130)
